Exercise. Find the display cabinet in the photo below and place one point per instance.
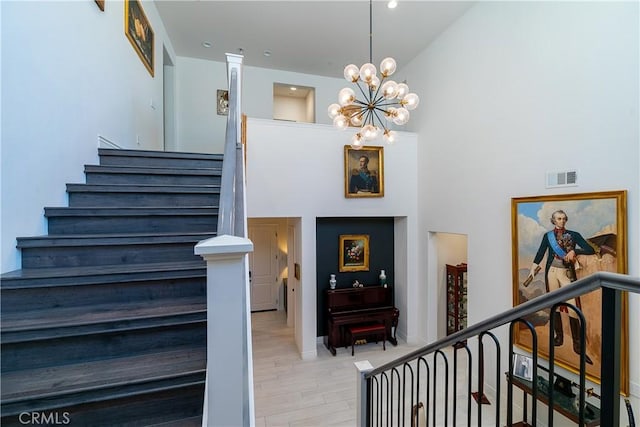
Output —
(456, 298)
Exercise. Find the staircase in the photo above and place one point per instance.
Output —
(105, 325)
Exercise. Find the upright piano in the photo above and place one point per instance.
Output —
(359, 306)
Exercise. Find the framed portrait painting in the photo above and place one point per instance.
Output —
(222, 103)
(354, 252)
(546, 230)
(139, 32)
(363, 172)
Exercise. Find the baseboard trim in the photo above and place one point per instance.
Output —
(107, 143)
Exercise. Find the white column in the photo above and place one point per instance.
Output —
(229, 384)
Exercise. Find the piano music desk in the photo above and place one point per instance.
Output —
(364, 331)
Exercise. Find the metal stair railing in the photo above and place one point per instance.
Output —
(406, 392)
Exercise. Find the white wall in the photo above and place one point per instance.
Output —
(69, 74)
(200, 129)
(297, 170)
(508, 92)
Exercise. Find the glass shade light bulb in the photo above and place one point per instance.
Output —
(391, 113)
(374, 83)
(389, 89)
(369, 132)
(334, 110)
(401, 117)
(411, 101)
(389, 137)
(357, 119)
(356, 141)
(387, 67)
(346, 96)
(351, 73)
(367, 71)
(341, 122)
(403, 90)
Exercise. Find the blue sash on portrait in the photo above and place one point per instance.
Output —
(554, 244)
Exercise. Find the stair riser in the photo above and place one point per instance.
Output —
(86, 348)
(136, 410)
(142, 199)
(20, 300)
(42, 257)
(115, 160)
(142, 179)
(132, 224)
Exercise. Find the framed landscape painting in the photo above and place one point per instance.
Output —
(593, 227)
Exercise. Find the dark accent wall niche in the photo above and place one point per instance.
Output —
(381, 257)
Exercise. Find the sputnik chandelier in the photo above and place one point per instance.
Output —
(381, 98)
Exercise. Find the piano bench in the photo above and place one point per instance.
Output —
(363, 331)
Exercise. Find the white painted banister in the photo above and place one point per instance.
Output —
(229, 383)
(228, 399)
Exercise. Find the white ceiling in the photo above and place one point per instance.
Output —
(304, 36)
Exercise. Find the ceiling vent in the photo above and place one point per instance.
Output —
(562, 179)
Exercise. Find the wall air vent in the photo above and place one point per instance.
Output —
(562, 179)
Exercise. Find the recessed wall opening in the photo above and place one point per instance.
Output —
(450, 249)
(294, 103)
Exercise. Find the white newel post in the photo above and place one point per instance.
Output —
(363, 367)
(229, 383)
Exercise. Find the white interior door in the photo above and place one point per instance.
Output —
(263, 266)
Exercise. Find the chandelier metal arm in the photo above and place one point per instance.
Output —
(363, 93)
(380, 121)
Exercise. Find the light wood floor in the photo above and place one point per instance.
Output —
(320, 392)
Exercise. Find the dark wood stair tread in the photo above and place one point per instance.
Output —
(63, 240)
(153, 170)
(185, 422)
(142, 188)
(97, 314)
(35, 273)
(130, 211)
(158, 154)
(109, 373)
(57, 276)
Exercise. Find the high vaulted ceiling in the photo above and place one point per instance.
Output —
(312, 37)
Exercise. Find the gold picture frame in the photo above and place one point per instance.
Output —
(139, 32)
(354, 252)
(363, 172)
(599, 221)
(222, 103)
